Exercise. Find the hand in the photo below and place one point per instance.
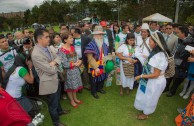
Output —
(135, 61)
(190, 59)
(29, 64)
(74, 64)
(130, 60)
(192, 98)
(137, 78)
(53, 63)
(145, 56)
(79, 62)
(192, 52)
(130, 54)
(97, 71)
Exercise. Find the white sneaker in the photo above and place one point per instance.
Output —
(39, 103)
(186, 96)
(182, 93)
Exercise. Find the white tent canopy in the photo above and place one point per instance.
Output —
(86, 19)
(157, 17)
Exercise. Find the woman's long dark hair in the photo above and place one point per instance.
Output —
(157, 49)
(20, 60)
(114, 32)
(52, 38)
(130, 36)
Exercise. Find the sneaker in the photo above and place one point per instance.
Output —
(182, 93)
(39, 103)
(186, 96)
(102, 91)
(179, 110)
(169, 94)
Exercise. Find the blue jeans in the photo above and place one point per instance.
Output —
(54, 105)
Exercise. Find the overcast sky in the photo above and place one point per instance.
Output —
(17, 5)
(20, 5)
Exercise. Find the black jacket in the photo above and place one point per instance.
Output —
(110, 39)
(84, 42)
(182, 55)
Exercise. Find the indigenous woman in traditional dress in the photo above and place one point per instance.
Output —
(126, 53)
(71, 63)
(152, 80)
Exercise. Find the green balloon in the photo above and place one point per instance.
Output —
(109, 66)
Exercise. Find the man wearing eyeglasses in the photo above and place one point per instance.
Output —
(170, 38)
(46, 64)
(63, 28)
(171, 41)
(181, 57)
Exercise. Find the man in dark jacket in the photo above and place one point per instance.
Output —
(108, 38)
(181, 57)
(80, 42)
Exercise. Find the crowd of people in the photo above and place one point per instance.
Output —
(61, 64)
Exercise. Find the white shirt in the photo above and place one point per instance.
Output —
(7, 59)
(122, 38)
(141, 51)
(15, 83)
(137, 34)
(56, 48)
(106, 39)
(77, 46)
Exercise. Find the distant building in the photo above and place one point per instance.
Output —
(12, 14)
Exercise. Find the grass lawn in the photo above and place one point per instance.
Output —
(115, 110)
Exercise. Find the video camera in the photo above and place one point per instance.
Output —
(19, 42)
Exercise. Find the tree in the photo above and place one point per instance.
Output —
(26, 17)
(190, 19)
(2, 21)
(34, 15)
(186, 10)
(16, 22)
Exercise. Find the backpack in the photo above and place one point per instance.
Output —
(12, 114)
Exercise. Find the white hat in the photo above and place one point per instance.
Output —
(98, 30)
(145, 26)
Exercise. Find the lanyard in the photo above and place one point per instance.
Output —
(130, 51)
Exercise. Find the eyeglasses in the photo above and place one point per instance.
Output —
(46, 37)
(168, 28)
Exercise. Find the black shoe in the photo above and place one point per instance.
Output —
(64, 112)
(169, 94)
(95, 96)
(60, 124)
(102, 92)
(80, 91)
(165, 90)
